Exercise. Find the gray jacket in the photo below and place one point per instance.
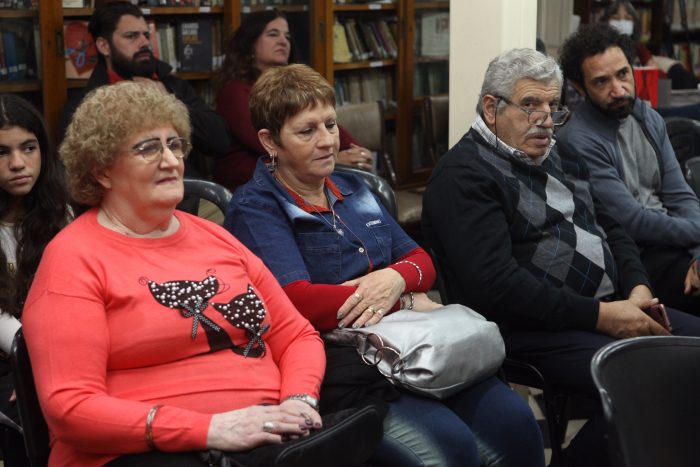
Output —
(593, 135)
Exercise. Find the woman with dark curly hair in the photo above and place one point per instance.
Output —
(262, 41)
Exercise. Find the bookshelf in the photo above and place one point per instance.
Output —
(397, 75)
(405, 74)
(51, 90)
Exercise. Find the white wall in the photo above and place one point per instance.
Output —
(480, 30)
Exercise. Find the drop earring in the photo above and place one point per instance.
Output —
(272, 165)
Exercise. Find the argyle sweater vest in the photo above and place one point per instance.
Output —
(554, 233)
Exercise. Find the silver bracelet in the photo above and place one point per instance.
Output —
(149, 426)
(420, 272)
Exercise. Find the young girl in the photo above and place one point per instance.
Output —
(33, 205)
(33, 208)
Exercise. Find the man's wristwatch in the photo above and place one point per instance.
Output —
(312, 401)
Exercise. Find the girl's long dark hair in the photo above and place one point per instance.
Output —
(238, 62)
(44, 210)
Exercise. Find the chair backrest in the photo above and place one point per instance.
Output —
(649, 388)
(376, 184)
(196, 190)
(365, 122)
(692, 174)
(36, 432)
(436, 124)
(684, 134)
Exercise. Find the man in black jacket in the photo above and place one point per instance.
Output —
(122, 39)
(522, 240)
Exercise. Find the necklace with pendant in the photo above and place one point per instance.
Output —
(334, 225)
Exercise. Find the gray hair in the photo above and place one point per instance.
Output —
(511, 66)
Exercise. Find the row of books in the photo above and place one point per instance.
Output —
(187, 45)
(19, 4)
(19, 49)
(365, 86)
(432, 37)
(692, 8)
(356, 40)
(431, 78)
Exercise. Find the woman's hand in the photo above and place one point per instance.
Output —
(243, 429)
(421, 302)
(376, 293)
(356, 156)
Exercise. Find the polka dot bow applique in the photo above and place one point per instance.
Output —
(246, 311)
(191, 298)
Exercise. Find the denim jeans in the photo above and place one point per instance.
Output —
(487, 424)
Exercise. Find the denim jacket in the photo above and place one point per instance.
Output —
(297, 245)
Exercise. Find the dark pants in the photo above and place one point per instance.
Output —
(564, 358)
(667, 268)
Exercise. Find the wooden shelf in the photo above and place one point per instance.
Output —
(285, 8)
(17, 13)
(20, 86)
(431, 5)
(154, 11)
(364, 7)
(364, 65)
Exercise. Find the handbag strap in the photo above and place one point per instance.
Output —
(373, 351)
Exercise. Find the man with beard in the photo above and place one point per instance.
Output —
(521, 239)
(633, 167)
(122, 39)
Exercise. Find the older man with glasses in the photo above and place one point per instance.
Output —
(522, 240)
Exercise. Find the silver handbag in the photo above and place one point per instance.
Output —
(433, 353)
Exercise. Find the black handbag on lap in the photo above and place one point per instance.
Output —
(361, 428)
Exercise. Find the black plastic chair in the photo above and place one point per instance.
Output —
(517, 372)
(692, 174)
(649, 388)
(36, 432)
(376, 184)
(196, 189)
(684, 134)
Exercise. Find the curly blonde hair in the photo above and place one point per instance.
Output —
(106, 118)
(284, 91)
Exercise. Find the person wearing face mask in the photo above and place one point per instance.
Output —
(622, 16)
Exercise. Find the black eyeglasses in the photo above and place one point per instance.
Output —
(152, 149)
(538, 117)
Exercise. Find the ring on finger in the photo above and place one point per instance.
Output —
(268, 426)
(357, 295)
(379, 312)
(371, 309)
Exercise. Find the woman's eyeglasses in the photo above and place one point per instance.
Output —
(152, 150)
(538, 117)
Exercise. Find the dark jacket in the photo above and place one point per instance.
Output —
(593, 136)
(473, 218)
(210, 134)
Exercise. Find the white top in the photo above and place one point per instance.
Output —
(8, 323)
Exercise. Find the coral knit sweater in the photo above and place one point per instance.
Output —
(116, 324)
